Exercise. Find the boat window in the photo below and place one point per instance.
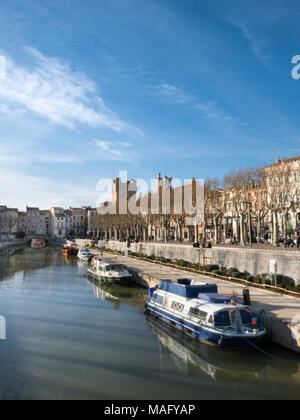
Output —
(245, 317)
(198, 314)
(177, 306)
(158, 299)
(222, 319)
(116, 267)
(233, 317)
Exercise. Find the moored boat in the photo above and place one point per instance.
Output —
(199, 311)
(38, 243)
(84, 255)
(68, 250)
(109, 271)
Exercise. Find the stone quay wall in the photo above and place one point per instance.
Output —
(5, 246)
(252, 261)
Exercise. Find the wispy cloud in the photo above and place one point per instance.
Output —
(108, 147)
(255, 20)
(175, 94)
(114, 150)
(258, 43)
(209, 109)
(50, 88)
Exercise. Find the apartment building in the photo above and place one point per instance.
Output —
(58, 222)
(8, 222)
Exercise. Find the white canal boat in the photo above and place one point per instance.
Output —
(108, 270)
(199, 311)
(84, 255)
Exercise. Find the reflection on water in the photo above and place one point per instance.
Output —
(228, 366)
(28, 260)
(117, 295)
(68, 338)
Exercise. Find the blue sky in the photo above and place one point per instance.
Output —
(182, 87)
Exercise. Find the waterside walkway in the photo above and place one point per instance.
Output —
(282, 311)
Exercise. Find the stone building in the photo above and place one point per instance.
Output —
(8, 222)
(58, 222)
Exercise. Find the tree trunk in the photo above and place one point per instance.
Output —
(275, 229)
(242, 230)
(258, 229)
(285, 226)
(216, 230)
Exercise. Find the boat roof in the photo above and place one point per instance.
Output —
(105, 263)
(204, 304)
(203, 296)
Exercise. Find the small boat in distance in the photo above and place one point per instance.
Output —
(38, 243)
(85, 255)
(199, 311)
(108, 270)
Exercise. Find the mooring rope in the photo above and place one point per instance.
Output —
(269, 354)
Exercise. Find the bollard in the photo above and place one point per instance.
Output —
(246, 295)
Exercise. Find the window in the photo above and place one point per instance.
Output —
(177, 306)
(222, 319)
(245, 317)
(117, 267)
(198, 314)
(159, 299)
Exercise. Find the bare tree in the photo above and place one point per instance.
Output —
(281, 195)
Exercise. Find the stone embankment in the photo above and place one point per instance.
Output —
(253, 261)
(7, 246)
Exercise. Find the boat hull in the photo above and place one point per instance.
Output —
(110, 280)
(84, 259)
(69, 252)
(202, 334)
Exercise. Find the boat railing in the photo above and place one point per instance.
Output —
(240, 328)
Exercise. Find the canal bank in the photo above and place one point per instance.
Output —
(9, 248)
(282, 311)
(248, 260)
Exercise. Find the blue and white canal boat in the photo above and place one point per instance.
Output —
(199, 311)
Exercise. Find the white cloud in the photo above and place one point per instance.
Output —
(108, 146)
(113, 150)
(175, 94)
(210, 109)
(20, 189)
(124, 144)
(52, 90)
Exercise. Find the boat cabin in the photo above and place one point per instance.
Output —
(202, 304)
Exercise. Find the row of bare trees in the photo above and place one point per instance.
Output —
(261, 197)
(253, 199)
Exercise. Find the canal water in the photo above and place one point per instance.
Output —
(70, 339)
